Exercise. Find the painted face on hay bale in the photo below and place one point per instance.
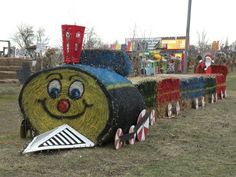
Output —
(65, 96)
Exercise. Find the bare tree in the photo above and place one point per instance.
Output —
(41, 36)
(24, 37)
(233, 46)
(92, 41)
(134, 54)
(202, 42)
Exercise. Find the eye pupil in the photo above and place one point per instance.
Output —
(75, 93)
(76, 90)
(54, 88)
(54, 92)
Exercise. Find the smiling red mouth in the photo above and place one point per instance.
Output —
(86, 105)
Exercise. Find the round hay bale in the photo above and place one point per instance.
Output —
(147, 89)
(222, 69)
(117, 61)
(94, 101)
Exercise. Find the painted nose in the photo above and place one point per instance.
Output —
(63, 105)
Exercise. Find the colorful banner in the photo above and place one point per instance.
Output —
(173, 43)
(118, 46)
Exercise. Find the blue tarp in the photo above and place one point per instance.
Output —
(107, 77)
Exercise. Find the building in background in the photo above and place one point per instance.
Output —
(215, 46)
(167, 44)
(142, 44)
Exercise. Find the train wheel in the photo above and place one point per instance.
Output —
(177, 108)
(203, 101)
(146, 127)
(141, 115)
(221, 94)
(142, 133)
(152, 117)
(132, 139)
(196, 103)
(225, 94)
(118, 143)
(216, 97)
(169, 110)
(212, 98)
(143, 130)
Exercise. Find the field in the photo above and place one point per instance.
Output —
(199, 143)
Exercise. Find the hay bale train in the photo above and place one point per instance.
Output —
(98, 104)
(94, 101)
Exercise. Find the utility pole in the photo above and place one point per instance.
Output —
(186, 54)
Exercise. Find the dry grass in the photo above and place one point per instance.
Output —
(198, 143)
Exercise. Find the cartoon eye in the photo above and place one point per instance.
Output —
(76, 90)
(54, 88)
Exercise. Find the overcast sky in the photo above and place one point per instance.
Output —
(115, 19)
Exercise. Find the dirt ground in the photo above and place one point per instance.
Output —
(198, 143)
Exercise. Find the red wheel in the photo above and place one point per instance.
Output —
(118, 143)
(152, 117)
(146, 126)
(142, 133)
(132, 139)
(143, 130)
(141, 115)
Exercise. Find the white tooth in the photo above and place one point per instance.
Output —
(62, 137)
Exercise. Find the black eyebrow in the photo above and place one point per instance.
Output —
(73, 76)
(54, 74)
(81, 78)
